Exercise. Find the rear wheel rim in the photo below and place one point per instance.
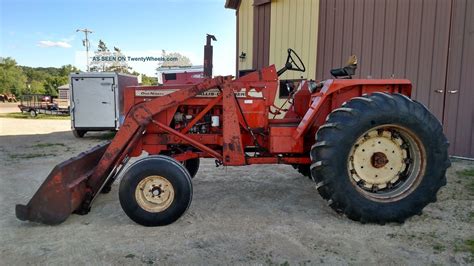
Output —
(386, 163)
(154, 193)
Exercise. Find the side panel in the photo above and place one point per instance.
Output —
(281, 140)
(93, 102)
(123, 82)
(335, 92)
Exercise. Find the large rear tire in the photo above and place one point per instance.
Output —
(155, 191)
(380, 158)
(303, 169)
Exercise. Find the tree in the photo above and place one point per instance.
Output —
(12, 78)
(52, 83)
(65, 70)
(174, 59)
(117, 62)
(120, 64)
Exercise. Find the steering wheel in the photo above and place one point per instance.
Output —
(292, 64)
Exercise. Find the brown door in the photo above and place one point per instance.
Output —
(459, 97)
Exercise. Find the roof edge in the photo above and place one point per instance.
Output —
(232, 4)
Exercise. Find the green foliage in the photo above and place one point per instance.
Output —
(21, 80)
(146, 80)
(12, 78)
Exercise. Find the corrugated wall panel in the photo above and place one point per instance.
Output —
(245, 40)
(392, 38)
(261, 35)
(409, 39)
(294, 24)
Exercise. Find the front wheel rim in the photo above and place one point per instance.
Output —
(154, 193)
(386, 163)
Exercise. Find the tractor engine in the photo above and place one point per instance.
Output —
(210, 123)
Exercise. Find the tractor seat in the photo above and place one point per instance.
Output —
(343, 72)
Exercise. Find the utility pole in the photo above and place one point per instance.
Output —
(85, 42)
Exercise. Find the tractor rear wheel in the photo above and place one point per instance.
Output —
(155, 191)
(380, 158)
(303, 169)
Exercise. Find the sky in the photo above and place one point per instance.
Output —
(42, 33)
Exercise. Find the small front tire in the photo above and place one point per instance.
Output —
(155, 191)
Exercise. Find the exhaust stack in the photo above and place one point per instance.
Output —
(208, 56)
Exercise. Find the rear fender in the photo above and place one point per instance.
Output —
(337, 91)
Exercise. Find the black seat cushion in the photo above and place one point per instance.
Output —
(347, 71)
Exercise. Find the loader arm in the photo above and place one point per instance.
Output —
(73, 184)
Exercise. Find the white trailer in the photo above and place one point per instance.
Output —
(97, 100)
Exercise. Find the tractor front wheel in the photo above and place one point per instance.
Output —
(155, 191)
(380, 158)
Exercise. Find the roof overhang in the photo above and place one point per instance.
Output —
(232, 4)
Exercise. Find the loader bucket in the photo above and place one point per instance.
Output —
(63, 190)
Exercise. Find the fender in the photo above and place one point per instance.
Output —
(337, 91)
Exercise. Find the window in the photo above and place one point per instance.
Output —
(170, 76)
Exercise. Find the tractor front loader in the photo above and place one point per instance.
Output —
(375, 155)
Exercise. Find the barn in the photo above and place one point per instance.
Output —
(430, 42)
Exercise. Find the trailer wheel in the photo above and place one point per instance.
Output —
(33, 113)
(79, 133)
(192, 165)
(380, 158)
(155, 191)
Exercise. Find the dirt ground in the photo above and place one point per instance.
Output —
(255, 214)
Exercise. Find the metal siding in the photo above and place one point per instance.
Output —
(459, 107)
(245, 40)
(261, 35)
(408, 39)
(294, 24)
(392, 38)
(321, 32)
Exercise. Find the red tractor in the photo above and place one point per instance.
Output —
(375, 155)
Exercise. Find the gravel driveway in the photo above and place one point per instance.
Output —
(255, 214)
